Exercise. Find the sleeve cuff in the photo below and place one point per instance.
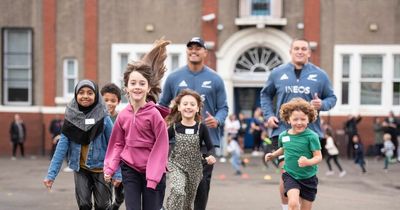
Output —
(151, 184)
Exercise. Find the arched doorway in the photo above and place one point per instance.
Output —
(244, 62)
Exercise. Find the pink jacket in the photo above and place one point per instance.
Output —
(141, 141)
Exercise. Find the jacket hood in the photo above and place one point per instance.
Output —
(164, 111)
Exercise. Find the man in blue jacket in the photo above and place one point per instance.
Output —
(205, 81)
(298, 78)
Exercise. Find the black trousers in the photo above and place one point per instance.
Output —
(138, 195)
(200, 202)
(118, 197)
(88, 183)
(21, 147)
(335, 159)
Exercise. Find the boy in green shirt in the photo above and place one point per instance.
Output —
(302, 151)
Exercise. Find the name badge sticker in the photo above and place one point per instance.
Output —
(285, 139)
(189, 131)
(89, 121)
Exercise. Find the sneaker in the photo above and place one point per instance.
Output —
(329, 173)
(254, 153)
(67, 169)
(342, 174)
(13, 158)
(222, 160)
(238, 173)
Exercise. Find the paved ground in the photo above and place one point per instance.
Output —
(21, 187)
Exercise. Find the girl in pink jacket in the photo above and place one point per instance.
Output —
(139, 140)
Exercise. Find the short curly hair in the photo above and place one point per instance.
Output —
(298, 104)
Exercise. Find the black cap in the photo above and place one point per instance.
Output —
(196, 40)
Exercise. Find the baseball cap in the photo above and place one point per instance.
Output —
(196, 40)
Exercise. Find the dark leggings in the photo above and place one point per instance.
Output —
(200, 202)
(21, 147)
(335, 159)
(139, 197)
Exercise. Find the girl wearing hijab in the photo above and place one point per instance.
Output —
(84, 139)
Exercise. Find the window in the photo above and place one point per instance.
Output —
(371, 79)
(124, 61)
(174, 62)
(345, 78)
(396, 80)
(123, 53)
(260, 7)
(260, 13)
(367, 79)
(70, 75)
(17, 66)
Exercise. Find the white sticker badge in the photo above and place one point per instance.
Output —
(285, 139)
(89, 121)
(189, 131)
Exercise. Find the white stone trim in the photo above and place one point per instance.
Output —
(355, 52)
(238, 43)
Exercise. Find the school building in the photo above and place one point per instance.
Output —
(48, 45)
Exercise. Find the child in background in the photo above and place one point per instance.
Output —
(359, 152)
(302, 151)
(186, 134)
(84, 137)
(387, 150)
(333, 153)
(139, 140)
(112, 97)
(234, 149)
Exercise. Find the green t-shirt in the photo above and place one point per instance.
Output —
(294, 146)
(113, 118)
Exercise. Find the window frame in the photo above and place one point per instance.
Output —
(29, 67)
(66, 77)
(356, 52)
(134, 51)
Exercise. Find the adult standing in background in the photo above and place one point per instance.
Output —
(350, 129)
(18, 136)
(55, 130)
(209, 85)
(298, 78)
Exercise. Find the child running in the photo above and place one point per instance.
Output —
(302, 151)
(235, 151)
(139, 140)
(84, 137)
(112, 97)
(359, 153)
(387, 150)
(333, 153)
(186, 135)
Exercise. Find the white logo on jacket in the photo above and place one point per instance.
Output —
(284, 77)
(183, 84)
(206, 84)
(312, 77)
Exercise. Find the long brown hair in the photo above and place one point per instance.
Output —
(175, 116)
(152, 67)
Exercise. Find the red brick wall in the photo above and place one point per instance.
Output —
(209, 30)
(91, 44)
(38, 136)
(312, 27)
(49, 52)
